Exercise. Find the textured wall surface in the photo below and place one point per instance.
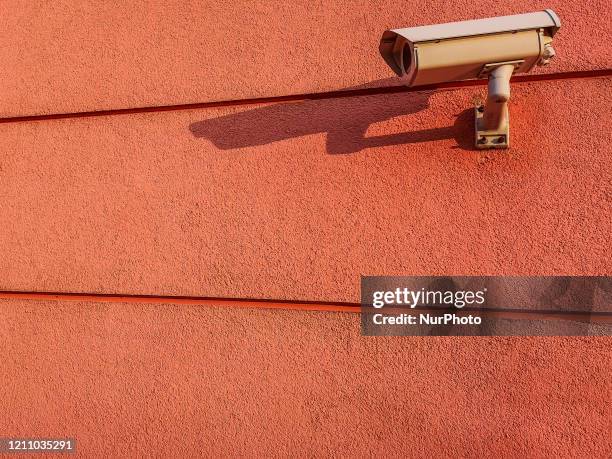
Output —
(127, 379)
(296, 200)
(287, 201)
(67, 55)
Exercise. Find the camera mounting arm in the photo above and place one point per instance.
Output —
(492, 122)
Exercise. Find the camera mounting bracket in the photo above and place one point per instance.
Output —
(492, 125)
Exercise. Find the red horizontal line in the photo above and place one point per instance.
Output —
(308, 96)
(595, 316)
(184, 300)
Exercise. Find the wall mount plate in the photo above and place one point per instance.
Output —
(486, 140)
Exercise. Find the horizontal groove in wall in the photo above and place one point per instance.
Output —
(311, 96)
(595, 316)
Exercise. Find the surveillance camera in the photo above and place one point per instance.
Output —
(492, 48)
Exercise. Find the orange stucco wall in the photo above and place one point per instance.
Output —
(170, 381)
(290, 201)
(68, 55)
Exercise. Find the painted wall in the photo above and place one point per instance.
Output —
(290, 201)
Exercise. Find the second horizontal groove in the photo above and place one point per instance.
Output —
(602, 317)
(308, 96)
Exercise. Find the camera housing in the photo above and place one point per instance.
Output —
(493, 48)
